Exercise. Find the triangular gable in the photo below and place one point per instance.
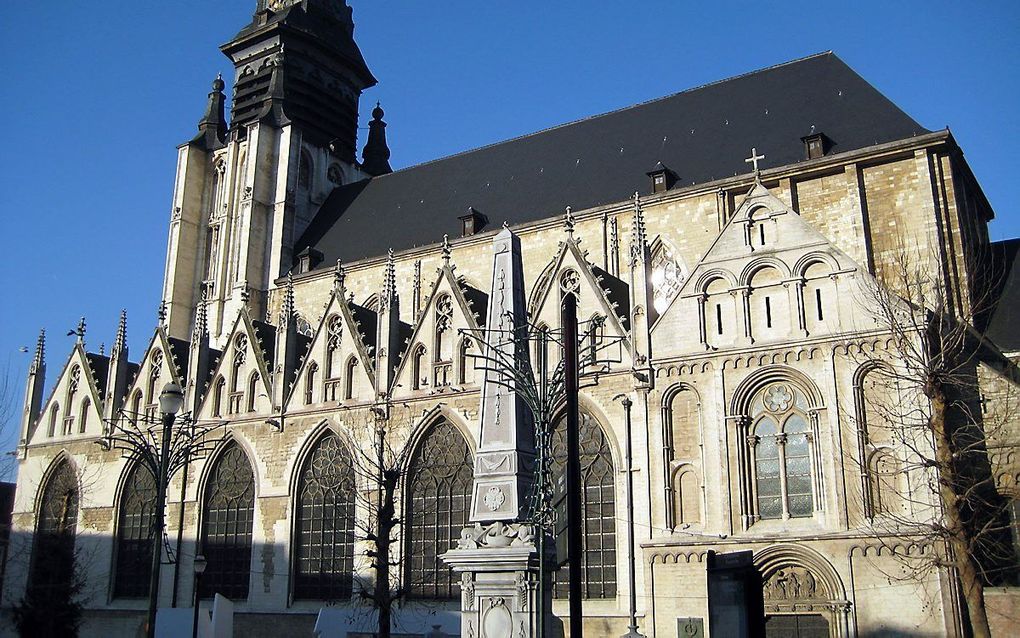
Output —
(247, 343)
(357, 334)
(467, 309)
(791, 246)
(87, 388)
(161, 352)
(600, 294)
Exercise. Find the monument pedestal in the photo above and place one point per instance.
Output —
(500, 588)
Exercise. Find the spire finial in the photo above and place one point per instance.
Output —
(446, 249)
(212, 128)
(376, 154)
(40, 349)
(102, 349)
(161, 314)
(638, 238)
(389, 279)
(568, 221)
(288, 298)
(80, 330)
(201, 317)
(120, 340)
(506, 225)
(339, 276)
(245, 295)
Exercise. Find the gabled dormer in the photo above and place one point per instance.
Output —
(769, 277)
(438, 356)
(338, 367)
(74, 407)
(240, 385)
(599, 294)
(165, 361)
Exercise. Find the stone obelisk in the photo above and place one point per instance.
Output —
(496, 557)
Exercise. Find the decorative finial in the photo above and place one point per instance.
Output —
(339, 276)
(288, 299)
(376, 154)
(389, 280)
(40, 349)
(506, 226)
(218, 85)
(568, 221)
(79, 331)
(754, 160)
(377, 112)
(161, 314)
(245, 295)
(102, 349)
(120, 340)
(201, 317)
(446, 249)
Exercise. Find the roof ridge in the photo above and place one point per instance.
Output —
(612, 112)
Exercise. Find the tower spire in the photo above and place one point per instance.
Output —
(202, 315)
(39, 359)
(389, 280)
(638, 234)
(120, 341)
(339, 276)
(376, 154)
(287, 312)
(212, 128)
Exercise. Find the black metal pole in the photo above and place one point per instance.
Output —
(633, 633)
(574, 538)
(541, 431)
(180, 531)
(158, 521)
(195, 601)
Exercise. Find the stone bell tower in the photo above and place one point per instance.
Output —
(246, 190)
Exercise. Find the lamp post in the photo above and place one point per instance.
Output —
(171, 400)
(633, 631)
(199, 567)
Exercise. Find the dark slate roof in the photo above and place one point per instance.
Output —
(180, 349)
(100, 365)
(1002, 326)
(702, 134)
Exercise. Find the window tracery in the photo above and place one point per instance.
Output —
(668, 276)
(227, 517)
(135, 520)
(52, 563)
(438, 504)
(598, 502)
(781, 454)
(324, 525)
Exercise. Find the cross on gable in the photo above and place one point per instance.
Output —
(754, 159)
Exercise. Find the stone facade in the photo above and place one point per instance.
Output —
(731, 299)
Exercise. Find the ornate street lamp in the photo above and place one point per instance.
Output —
(199, 566)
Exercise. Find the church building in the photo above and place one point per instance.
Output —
(721, 243)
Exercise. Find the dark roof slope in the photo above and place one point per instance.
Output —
(701, 134)
(1002, 326)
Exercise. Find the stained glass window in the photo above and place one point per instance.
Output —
(324, 528)
(228, 513)
(134, 535)
(438, 507)
(781, 454)
(52, 572)
(598, 502)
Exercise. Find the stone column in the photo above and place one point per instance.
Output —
(497, 557)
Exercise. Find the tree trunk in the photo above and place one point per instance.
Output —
(962, 551)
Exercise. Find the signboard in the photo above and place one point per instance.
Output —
(690, 628)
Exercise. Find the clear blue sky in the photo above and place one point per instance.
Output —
(96, 97)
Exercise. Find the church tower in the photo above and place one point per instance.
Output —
(245, 191)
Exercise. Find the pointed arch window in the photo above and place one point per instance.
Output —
(313, 371)
(236, 398)
(228, 511)
(598, 502)
(52, 573)
(324, 527)
(418, 368)
(72, 390)
(781, 454)
(83, 415)
(438, 504)
(334, 365)
(134, 535)
(54, 416)
(219, 388)
(466, 362)
(253, 391)
(350, 380)
(443, 346)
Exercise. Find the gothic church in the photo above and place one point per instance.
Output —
(724, 233)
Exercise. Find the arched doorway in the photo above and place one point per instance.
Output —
(804, 597)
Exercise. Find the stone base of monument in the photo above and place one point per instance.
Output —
(498, 566)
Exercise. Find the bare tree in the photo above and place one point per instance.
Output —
(924, 427)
